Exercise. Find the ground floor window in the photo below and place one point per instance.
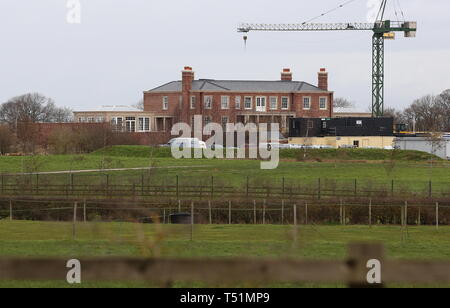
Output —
(130, 124)
(144, 124)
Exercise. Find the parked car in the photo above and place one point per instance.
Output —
(193, 143)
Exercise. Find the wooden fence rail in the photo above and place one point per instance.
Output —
(353, 271)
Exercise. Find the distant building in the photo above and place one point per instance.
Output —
(123, 118)
(342, 132)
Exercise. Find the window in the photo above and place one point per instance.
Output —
(208, 102)
(207, 120)
(99, 119)
(359, 123)
(224, 122)
(261, 104)
(91, 119)
(82, 119)
(225, 102)
(248, 102)
(193, 102)
(273, 102)
(310, 124)
(130, 124)
(117, 123)
(285, 103)
(144, 124)
(323, 103)
(165, 103)
(237, 101)
(307, 103)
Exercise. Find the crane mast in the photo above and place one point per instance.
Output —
(382, 30)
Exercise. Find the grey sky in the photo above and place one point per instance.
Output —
(122, 48)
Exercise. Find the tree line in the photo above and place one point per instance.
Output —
(430, 113)
(18, 116)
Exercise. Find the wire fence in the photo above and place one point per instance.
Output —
(209, 187)
(277, 212)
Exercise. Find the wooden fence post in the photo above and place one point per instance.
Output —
(164, 216)
(264, 212)
(229, 212)
(437, 215)
(295, 215)
(319, 192)
(370, 213)
(179, 206)
(192, 221)
(419, 218)
(10, 210)
(306, 213)
(341, 212)
(406, 213)
(75, 205)
(282, 212)
(210, 212)
(254, 212)
(178, 187)
(84, 211)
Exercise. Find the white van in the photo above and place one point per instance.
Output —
(193, 143)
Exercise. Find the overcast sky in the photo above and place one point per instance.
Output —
(122, 48)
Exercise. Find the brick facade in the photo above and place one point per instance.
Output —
(171, 103)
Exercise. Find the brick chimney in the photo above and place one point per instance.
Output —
(323, 79)
(286, 74)
(187, 77)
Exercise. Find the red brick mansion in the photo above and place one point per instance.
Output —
(233, 101)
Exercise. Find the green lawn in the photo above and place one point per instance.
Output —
(408, 176)
(49, 239)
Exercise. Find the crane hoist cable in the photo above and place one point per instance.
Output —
(329, 11)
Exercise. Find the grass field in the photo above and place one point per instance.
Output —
(377, 165)
(47, 239)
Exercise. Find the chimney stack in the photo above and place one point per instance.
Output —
(286, 75)
(187, 78)
(323, 79)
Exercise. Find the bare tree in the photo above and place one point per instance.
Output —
(139, 105)
(340, 102)
(32, 108)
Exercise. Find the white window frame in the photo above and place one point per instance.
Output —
(237, 102)
(287, 103)
(326, 103)
(208, 105)
(276, 102)
(145, 127)
(261, 100)
(309, 102)
(251, 102)
(165, 103)
(225, 102)
(193, 102)
(129, 123)
(82, 120)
